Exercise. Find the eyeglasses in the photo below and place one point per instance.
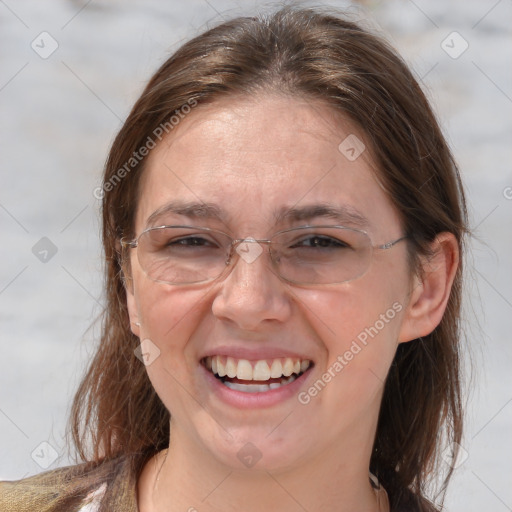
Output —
(306, 255)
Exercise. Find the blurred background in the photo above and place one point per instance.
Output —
(70, 71)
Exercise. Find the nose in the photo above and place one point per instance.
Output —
(251, 294)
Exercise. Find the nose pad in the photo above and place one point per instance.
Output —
(249, 249)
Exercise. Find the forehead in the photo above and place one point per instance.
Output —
(253, 160)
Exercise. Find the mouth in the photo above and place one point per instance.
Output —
(256, 376)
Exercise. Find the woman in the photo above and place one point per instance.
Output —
(283, 227)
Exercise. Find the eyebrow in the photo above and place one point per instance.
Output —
(187, 209)
(341, 214)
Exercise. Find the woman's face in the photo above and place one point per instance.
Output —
(262, 166)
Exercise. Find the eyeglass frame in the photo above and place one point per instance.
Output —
(235, 242)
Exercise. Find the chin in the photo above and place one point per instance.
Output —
(255, 449)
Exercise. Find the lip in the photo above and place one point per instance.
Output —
(263, 399)
(253, 354)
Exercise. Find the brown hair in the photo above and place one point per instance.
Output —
(318, 55)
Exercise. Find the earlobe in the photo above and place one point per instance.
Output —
(431, 289)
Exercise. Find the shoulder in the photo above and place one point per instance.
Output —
(78, 488)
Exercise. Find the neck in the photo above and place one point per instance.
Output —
(185, 478)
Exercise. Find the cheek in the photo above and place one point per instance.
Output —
(346, 314)
(169, 317)
(358, 329)
(358, 325)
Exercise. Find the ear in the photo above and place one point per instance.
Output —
(131, 302)
(431, 289)
(132, 311)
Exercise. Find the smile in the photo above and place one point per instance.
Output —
(255, 376)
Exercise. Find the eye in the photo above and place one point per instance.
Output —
(321, 242)
(190, 241)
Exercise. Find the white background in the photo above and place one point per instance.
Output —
(59, 116)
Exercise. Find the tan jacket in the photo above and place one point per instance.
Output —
(67, 489)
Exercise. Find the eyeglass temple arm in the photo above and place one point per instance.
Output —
(128, 243)
(392, 243)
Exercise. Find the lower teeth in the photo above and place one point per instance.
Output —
(258, 388)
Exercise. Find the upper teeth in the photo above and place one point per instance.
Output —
(255, 370)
